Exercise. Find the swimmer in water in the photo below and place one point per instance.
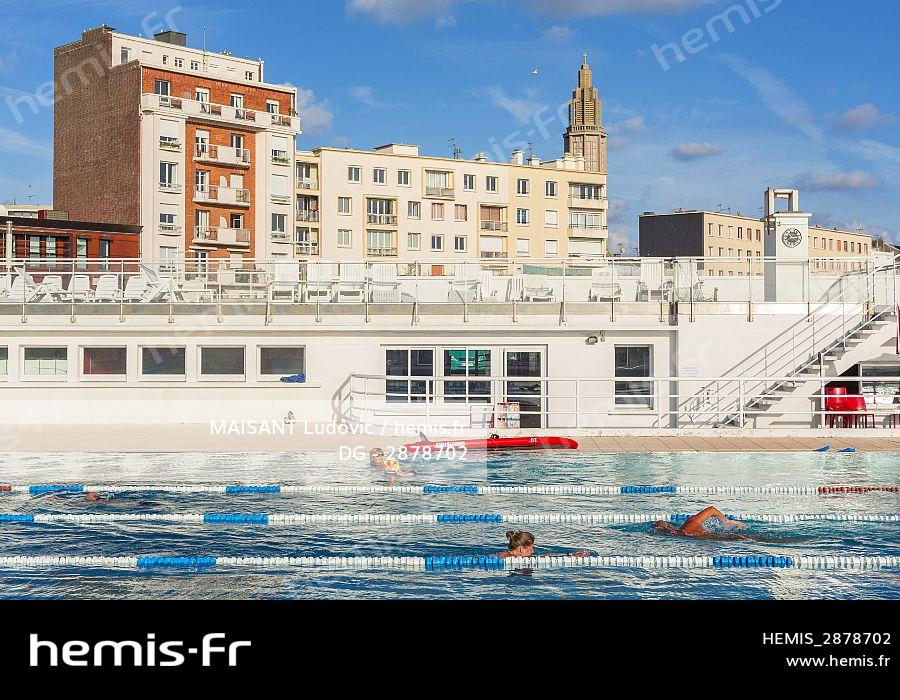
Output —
(93, 497)
(521, 544)
(376, 457)
(693, 527)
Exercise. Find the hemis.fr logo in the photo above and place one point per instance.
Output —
(212, 651)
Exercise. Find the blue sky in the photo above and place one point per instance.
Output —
(782, 92)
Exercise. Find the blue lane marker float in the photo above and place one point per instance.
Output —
(252, 489)
(823, 449)
(475, 518)
(481, 563)
(16, 518)
(647, 489)
(175, 562)
(40, 490)
(848, 451)
(236, 519)
(449, 489)
(753, 562)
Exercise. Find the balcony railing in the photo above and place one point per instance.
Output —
(308, 215)
(382, 251)
(214, 194)
(586, 202)
(170, 187)
(280, 198)
(443, 192)
(494, 226)
(225, 155)
(222, 236)
(304, 184)
(216, 112)
(493, 254)
(280, 236)
(382, 219)
(169, 228)
(281, 158)
(307, 247)
(169, 143)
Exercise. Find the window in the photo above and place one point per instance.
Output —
(248, 76)
(414, 210)
(280, 155)
(437, 183)
(344, 238)
(162, 362)
(168, 255)
(103, 251)
(124, 55)
(168, 175)
(34, 247)
(280, 192)
(4, 362)
(461, 212)
(523, 187)
(379, 176)
(162, 87)
(633, 362)
(579, 220)
(201, 95)
(354, 173)
(551, 218)
(179, 62)
(466, 364)
(46, 362)
(523, 216)
(586, 192)
(409, 363)
(221, 362)
(273, 107)
(279, 223)
(50, 248)
(282, 362)
(491, 184)
(345, 205)
(165, 60)
(403, 178)
(195, 65)
(437, 211)
(551, 248)
(469, 183)
(720, 230)
(740, 233)
(100, 362)
(169, 134)
(437, 242)
(550, 189)
(414, 241)
(523, 246)
(81, 253)
(459, 244)
(380, 243)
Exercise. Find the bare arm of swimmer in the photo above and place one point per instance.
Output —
(694, 525)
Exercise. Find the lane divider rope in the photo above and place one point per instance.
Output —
(471, 489)
(439, 564)
(537, 518)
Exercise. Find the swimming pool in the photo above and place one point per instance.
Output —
(133, 475)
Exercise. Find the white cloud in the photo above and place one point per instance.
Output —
(863, 117)
(558, 34)
(618, 208)
(587, 8)
(632, 125)
(777, 96)
(857, 180)
(696, 151)
(364, 94)
(872, 150)
(402, 12)
(316, 116)
(16, 142)
(522, 109)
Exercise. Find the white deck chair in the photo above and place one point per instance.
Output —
(466, 283)
(79, 289)
(319, 281)
(604, 286)
(351, 282)
(651, 280)
(384, 284)
(5, 281)
(135, 289)
(158, 288)
(107, 289)
(538, 288)
(688, 285)
(20, 291)
(285, 281)
(53, 286)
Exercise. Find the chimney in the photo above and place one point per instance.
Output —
(535, 161)
(171, 37)
(518, 158)
(480, 158)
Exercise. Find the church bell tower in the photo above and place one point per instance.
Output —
(585, 135)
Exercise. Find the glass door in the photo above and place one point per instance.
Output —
(527, 367)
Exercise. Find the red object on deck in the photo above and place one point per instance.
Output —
(488, 444)
(5, 487)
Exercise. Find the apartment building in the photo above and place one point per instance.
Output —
(393, 202)
(50, 235)
(721, 235)
(193, 146)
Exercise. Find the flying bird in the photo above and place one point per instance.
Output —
(535, 73)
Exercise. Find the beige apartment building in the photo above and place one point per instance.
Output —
(720, 235)
(394, 203)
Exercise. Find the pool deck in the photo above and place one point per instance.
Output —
(199, 438)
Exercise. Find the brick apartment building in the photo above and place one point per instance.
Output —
(192, 146)
(49, 235)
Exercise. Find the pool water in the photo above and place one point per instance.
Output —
(481, 539)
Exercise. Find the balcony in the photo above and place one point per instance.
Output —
(308, 215)
(170, 187)
(222, 155)
(307, 184)
(307, 247)
(281, 158)
(492, 254)
(587, 202)
(222, 236)
(588, 231)
(206, 111)
(381, 219)
(440, 192)
(167, 143)
(280, 198)
(226, 196)
(382, 251)
(494, 226)
(280, 236)
(170, 229)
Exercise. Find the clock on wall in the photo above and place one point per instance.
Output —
(792, 238)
